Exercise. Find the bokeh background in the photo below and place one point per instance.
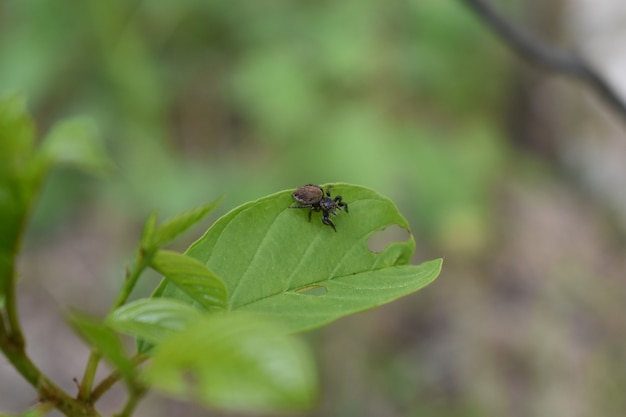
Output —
(516, 177)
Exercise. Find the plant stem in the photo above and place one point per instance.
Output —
(115, 376)
(48, 391)
(141, 262)
(84, 391)
(132, 401)
(14, 329)
(14, 351)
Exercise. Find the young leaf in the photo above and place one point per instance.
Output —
(152, 319)
(19, 179)
(76, 142)
(38, 411)
(178, 224)
(269, 256)
(104, 340)
(17, 134)
(147, 235)
(193, 278)
(236, 362)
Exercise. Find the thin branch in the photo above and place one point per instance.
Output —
(12, 345)
(132, 275)
(10, 297)
(84, 389)
(105, 385)
(48, 391)
(115, 376)
(132, 401)
(537, 52)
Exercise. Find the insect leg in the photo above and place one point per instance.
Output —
(327, 221)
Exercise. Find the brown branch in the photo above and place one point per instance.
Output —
(537, 52)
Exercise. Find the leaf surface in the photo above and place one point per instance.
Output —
(270, 256)
(153, 319)
(193, 278)
(236, 362)
(104, 340)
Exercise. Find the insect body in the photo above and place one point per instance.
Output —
(312, 196)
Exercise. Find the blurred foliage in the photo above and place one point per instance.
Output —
(197, 99)
(241, 98)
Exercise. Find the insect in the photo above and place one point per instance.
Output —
(312, 196)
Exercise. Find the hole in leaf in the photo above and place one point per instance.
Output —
(315, 290)
(383, 238)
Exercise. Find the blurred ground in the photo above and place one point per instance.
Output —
(516, 178)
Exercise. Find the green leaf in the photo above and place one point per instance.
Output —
(344, 295)
(32, 413)
(17, 134)
(104, 340)
(269, 256)
(19, 179)
(147, 235)
(193, 278)
(235, 362)
(28, 413)
(6, 273)
(152, 319)
(178, 224)
(76, 142)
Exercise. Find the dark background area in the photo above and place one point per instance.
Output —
(514, 176)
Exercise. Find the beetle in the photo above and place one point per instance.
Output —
(313, 197)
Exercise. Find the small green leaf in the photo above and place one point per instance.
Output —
(17, 134)
(235, 362)
(180, 223)
(76, 142)
(6, 273)
(35, 412)
(32, 413)
(270, 257)
(152, 319)
(20, 176)
(193, 278)
(38, 410)
(147, 235)
(105, 341)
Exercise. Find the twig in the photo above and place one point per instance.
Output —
(14, 327)
(48, 391)
(84, 389)
(132, 401)
(536, 51)
(132, 275)
(115, 376)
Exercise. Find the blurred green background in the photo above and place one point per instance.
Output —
(415, 98)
